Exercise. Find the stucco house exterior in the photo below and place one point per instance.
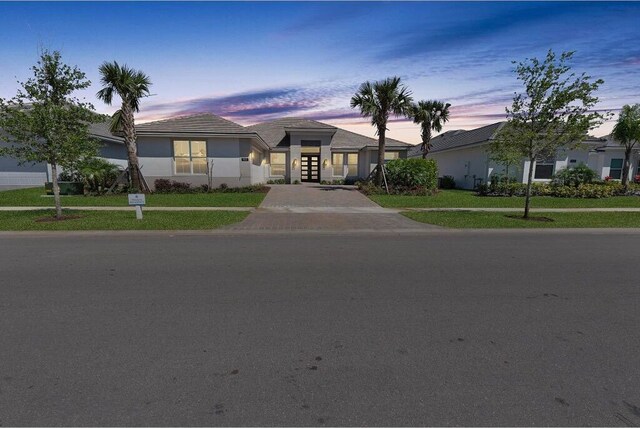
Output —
(464, 155)
(290, 149)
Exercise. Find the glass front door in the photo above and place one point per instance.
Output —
(310, 167)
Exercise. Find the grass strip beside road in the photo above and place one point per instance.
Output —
(119, 220)
(468, 199)
(501, 220)
(34, 197)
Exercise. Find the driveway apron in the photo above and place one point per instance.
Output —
(343, 208)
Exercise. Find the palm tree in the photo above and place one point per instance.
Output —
(379, 100)
(431, 115)
(130, 85)
(627, 132)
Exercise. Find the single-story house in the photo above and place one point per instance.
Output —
(464, 155)
(181, 149)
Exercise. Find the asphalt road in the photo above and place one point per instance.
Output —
(450, 328)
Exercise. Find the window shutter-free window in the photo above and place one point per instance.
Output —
(190, 157)
(352, 164)
(338, 163)
(278, 163)
(615, 170)
(544, 169)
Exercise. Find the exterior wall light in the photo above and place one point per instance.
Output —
(294, 164)
(325, 163)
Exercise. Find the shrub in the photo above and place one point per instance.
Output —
(581, 174)
(412, 173)
(588, 190)
(277, 181)
(163, 185)
(447, 182)
(96, 174)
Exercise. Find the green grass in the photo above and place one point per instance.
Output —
(468, 199)
(498, 220)
(34, 197)
(120, 220)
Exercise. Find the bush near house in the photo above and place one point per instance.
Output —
(581, 174)
(447, 182)
(406, 177)
(95, 175)
(581, 190)
(165, 186)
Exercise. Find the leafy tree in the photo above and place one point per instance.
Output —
(44, 122)
(431, 115)
(378, 101)
(554, 111)
(504, 154)
(131, 86)
(627, 132)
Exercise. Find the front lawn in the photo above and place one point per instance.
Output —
(468, 199)
(119, 220)
(497, 220)
(36, 197)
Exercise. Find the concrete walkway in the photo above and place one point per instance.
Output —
(128, 208)
(326, 210)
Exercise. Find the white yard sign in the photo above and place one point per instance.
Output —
(137, 200)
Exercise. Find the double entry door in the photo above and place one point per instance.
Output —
(310, 167)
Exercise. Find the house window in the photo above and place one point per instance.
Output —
(337, 160)
(190, 157)
(544, 169)
(278, 163)
(615, 170)
(256, 157)
(391, 156)
(352, 164)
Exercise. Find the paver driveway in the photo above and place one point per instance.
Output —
(343, 208)
(315, 195)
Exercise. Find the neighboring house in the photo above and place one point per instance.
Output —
(290, 149)
(464, 155)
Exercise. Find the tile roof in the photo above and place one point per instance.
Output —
(198, 123)
(101, 130)
(344, 139)
(460, 137)
(274, 133)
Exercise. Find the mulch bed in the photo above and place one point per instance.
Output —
(519, 217)
(54, 219)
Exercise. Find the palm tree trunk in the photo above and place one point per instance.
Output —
(381, 143)
(426, 138)
(527, 200)
(626, 167)
(128, 127)
(56, 190)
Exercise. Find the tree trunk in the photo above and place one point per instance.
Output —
(426, 138)
(56, 190)
(626, 167)
(128, 127)
(381, 143)
(527, 200)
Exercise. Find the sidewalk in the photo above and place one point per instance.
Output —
(323, 210)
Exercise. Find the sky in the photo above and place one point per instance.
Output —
(255, 61)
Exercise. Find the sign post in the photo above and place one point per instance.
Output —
(137, 200)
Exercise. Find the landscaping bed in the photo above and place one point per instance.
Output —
(118, 220)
